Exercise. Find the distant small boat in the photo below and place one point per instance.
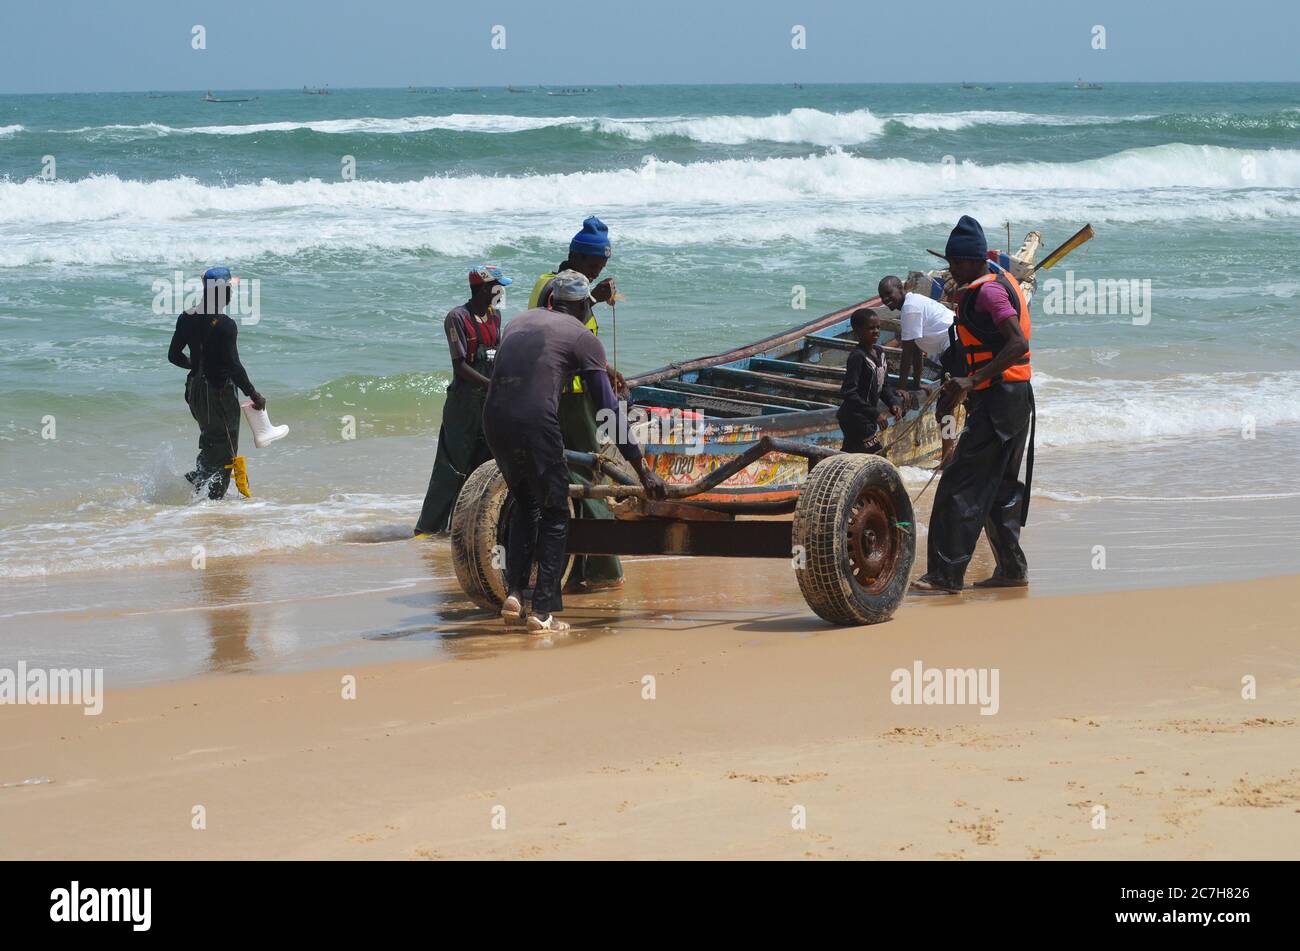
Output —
(570, 92)
(1080, 84)
(319, 91)
(211, 98)
(976, 87)
(516, 89)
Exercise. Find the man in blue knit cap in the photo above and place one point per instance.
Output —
(980, 488)
(589, 252)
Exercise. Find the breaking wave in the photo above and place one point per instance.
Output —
(801, 125)
(656, 203)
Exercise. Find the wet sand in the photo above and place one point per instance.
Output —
(383, 596)
(761, 715)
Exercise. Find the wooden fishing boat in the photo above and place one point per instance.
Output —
(752, 430)
(705, 412)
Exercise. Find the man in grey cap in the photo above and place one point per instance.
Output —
(536, 357)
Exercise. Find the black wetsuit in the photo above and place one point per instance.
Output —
(213, 349)
(215, 372)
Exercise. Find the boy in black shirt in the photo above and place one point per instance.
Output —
(866, 385)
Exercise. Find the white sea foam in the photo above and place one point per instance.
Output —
(6, 130)
(1084, 412)
(812, 126)
(802, 125)
(833, 176)
(103, 219)
(955, 121)
(372, 125)
(157, 528)
(458, 122)
(1065, 496)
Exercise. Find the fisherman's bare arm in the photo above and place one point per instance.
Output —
(910, 364)
(463, 371)
(617, 382)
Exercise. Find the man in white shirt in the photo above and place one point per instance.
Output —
(924, 328)
(924, 332)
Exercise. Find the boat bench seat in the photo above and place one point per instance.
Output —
(766, 382)
(710, 404)
(784, 402)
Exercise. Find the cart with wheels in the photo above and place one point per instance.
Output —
(851, 540)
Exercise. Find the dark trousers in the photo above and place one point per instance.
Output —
(462, 448)
(981, 488)
(860, 435)
(539, 525)
(216, 410)
(578, 424)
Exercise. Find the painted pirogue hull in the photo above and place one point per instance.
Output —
(784, 386)
(787, 386)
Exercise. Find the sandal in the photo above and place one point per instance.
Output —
(548, 625)
(513, 610)
(924, 585)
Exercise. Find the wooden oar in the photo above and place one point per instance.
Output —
(1081, 236)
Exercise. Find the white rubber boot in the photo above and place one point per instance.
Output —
(263, 432)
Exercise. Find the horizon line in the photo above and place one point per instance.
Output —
(603, 86)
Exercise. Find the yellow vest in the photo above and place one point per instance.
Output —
(534, 300)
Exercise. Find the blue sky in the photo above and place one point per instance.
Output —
(105, 45)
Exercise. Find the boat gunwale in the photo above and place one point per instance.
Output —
(751, 349)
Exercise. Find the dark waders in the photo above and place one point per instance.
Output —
(216, 410)
(461, 447)
(578, 424)
(981, 489)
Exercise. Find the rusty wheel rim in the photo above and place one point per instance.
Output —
(872, 540)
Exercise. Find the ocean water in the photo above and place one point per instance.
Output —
(720, 199)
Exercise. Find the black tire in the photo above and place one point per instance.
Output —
(478, 537)
(855, 537)
(476, 531)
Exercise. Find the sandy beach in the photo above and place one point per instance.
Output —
(769, 735)
(292, 670)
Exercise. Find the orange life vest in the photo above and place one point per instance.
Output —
(979, 336)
